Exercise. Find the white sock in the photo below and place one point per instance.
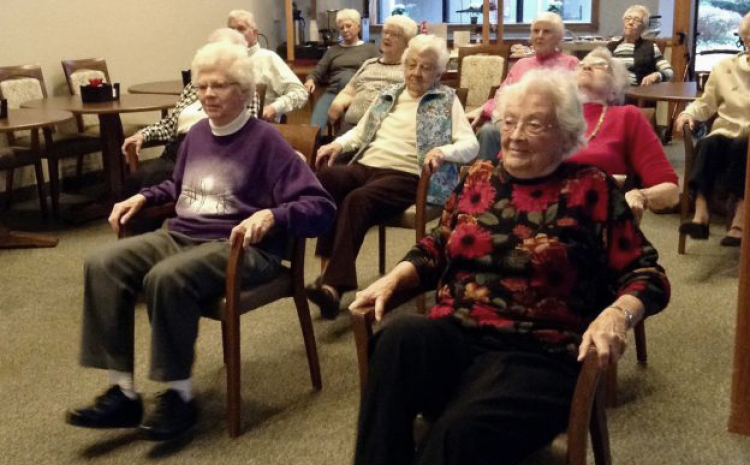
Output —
(183, 388)
(123, 379)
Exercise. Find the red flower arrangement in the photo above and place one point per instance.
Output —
(532, 199)
(470, 241)
(96, 82)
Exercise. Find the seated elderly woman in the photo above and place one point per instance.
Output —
(410, 126)
(173, 127)
(536, 261)
(547, 31)
(235, 176)
(375, 74)
(642, 57)
(339, 64)
(722, 155)
(619, 139)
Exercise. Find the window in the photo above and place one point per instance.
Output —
(458, 12)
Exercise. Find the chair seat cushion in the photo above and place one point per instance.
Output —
(408, 219)
(257, 296)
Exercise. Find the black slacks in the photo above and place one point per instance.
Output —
(720, 159)
(364, 196)
(492, 401)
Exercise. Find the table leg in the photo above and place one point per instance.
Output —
(36, 153)
(18, 240)
(54, 171)
(110, 129)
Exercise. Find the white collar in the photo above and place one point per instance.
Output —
(251, 50)
(359, 42)
(231, 127)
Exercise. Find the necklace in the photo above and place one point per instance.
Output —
(598, 124)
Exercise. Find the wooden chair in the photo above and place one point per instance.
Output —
(238, 301)
(20, 84)
(480, 68)
(587, 412)
(462, 93)
(77, 73)
(12, 158)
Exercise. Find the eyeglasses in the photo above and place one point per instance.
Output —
(592, 64)
(392, 33)
(632, 19)
(217, 87)
(531, 127)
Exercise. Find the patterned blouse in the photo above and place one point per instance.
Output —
(537, 259)
(165, 130)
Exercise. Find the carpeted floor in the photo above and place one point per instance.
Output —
(674, 411)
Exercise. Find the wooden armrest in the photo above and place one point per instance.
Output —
(587, 413)
(163, 211)
(422, 189)
(132, 158)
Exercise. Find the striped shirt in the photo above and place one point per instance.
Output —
(624, 53)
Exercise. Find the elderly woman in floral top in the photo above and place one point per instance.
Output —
(535, 262)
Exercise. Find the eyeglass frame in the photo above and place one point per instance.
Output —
(510, 127)
(633, 19)
(215, 86)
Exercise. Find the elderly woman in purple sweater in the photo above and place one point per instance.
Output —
(235, 176)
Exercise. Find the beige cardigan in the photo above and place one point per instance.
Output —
(727, 92)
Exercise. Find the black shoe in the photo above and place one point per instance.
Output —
(171, 417)
(323, 298)
(113, 409)
(732, 241)
(694, 230)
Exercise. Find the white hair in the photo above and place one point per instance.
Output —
(643, 10)
(229, 35)
(744, 28)
(558, 87)
(244, 16)
(230, 59)
(429, 43)
(552, 18)
(407, 25)
(350, 14)
(617, 69)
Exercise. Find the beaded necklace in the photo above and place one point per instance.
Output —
(598, 124)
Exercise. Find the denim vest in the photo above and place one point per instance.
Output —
(434, 129)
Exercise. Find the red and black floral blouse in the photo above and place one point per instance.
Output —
(537, 258)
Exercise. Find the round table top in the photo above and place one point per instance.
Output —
(28, 118)
(128, 103)
(174, 87)
(665, 91)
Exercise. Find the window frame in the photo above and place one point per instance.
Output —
(591, 27)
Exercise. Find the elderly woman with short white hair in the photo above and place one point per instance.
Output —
(535, 262)
(619, 138)
(411, 126)
(547, 31)
(722, 154)
(375, 74)
(642, 57)
(236, 179)
(339, 64)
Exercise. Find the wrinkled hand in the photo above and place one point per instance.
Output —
(637, 202)
(328, 152)
(607, 335)
(653, 78)
(253, 228)
(122, 211)
(684, 118)
(269, 114)
(334, 112)
(310, 86)
(137, 140)
(376, 295)
(433, 160)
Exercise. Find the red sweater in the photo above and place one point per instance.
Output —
(624, 143)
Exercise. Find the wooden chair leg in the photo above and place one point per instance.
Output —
(79, 167)
(40, 187)
(308, 334)
(599, 432)
(610, 390)
(381, 249)
(362, 329)
(231, 337)
(640, 342)
(224, 343)
(54, 172)
(9, 188)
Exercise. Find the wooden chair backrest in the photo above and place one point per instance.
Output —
(70, 67)
(499, 50)
(302, 137)
(8, 73)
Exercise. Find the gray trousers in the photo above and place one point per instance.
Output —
(177, 274)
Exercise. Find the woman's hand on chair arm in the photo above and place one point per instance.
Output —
(329, 152)
(608, 331)
(403, 276)
(122, 211)
(682, 119)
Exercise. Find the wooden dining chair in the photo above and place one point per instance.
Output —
(19, 84)
(587, 412)
(238, 300)
(77, 73)
(480, 68)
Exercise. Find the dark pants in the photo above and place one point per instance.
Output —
(364, 196)
(319, 115)
(178, 276)
(154, 171)
(492, 402)
(720, 160)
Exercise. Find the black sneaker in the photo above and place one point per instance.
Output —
(171, 417)
(113, 409)
(323, 298)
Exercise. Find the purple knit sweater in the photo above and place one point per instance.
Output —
(221, 180)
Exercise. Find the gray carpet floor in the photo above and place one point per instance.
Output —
(673, 411)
